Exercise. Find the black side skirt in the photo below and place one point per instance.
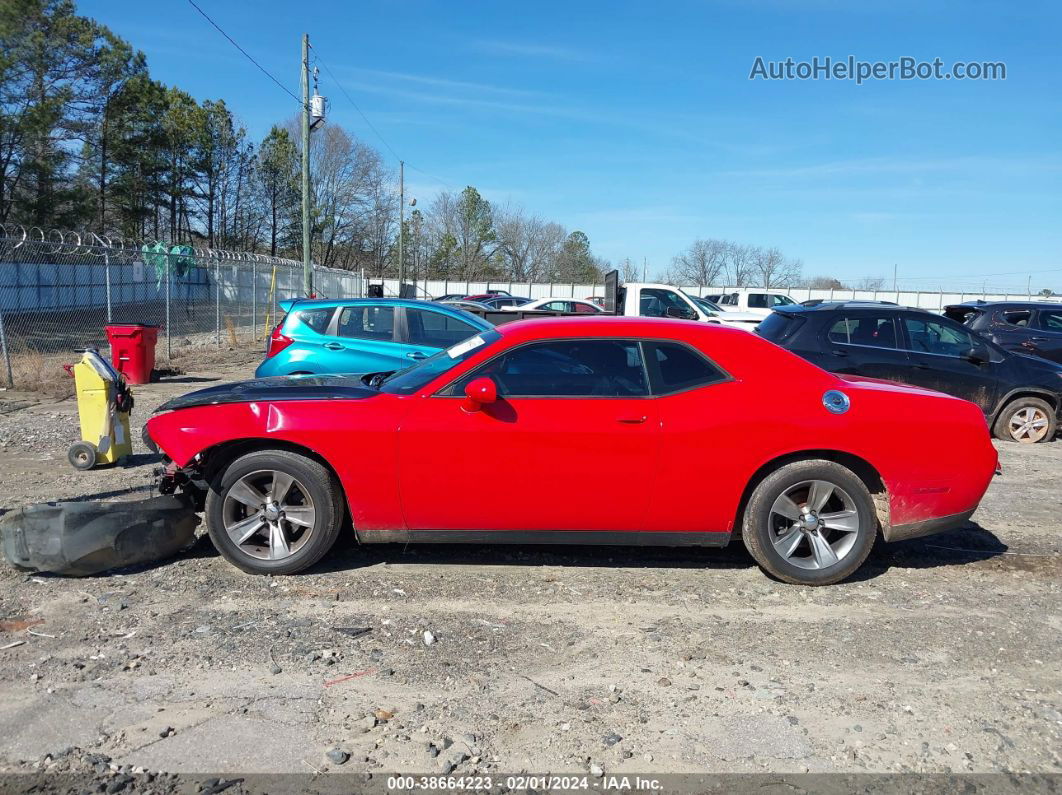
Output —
(634, 538)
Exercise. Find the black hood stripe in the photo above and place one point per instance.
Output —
(292, 387)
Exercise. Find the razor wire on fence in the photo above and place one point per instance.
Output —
(59, 290)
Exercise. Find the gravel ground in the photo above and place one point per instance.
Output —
(940, 656)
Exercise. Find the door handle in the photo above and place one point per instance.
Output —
(416, 355)
(334, 346)
(634, 420)
(839, 353)
(920, 366)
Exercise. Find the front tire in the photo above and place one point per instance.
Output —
(1026, 420)
(274, 512)
(810, 523)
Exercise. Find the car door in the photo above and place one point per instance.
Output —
(363, 340)
(863, 343)
(1046, 340)
(571, 444)
(938, 349)
(1010, 329)
(422, 332)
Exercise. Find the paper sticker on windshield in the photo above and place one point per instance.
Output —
(462, 348)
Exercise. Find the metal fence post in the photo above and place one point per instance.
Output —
(7, 353)
(217, 302)
(169, 334)
(107, 276)
(254, 299)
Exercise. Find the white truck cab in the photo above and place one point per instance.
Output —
(754, 300)
(639, 299)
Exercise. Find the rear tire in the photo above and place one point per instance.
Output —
(274, 512)
(1026, 420)
(810, 523)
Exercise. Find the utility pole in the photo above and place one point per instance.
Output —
(894, 281)
(307, 266)
(401, 221)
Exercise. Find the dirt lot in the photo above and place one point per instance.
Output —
(941, 656)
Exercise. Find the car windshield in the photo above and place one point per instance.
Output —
(706, 305)
(410, 379)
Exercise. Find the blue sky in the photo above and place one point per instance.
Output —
(637, 122)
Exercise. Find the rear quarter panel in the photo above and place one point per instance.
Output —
(933, 452)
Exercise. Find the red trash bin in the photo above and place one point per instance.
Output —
(133, 350)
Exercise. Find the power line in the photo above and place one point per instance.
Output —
(245, 53)
(372, 127)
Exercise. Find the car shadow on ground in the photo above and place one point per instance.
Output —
(969, 544)
(185, 379)
(963, 546)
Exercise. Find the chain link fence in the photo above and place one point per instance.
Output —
(58, 291)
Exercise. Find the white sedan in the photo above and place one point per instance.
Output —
(558, 305)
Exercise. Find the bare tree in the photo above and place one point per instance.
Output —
(739, 264)
(700, 264)
(772, 269)
(529, 244)
(629, 271)
(824, 283)
(870, 283)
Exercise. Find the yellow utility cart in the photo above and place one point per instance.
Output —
(103, 405)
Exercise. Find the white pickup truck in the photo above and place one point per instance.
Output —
(750, 300)
(638, 299)
(662, 300)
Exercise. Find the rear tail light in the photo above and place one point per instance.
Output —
(277, 342)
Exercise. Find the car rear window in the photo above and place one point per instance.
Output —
(1017, 318)
(777, 326)
(872, 331)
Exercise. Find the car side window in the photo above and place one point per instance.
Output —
(757, 301)
(367, 322)
(586, 309)
(1017, 318)
(1050, 319)
(556, 306)
(566, 368)
(874, 331)
(316, 319)
(655, 302)
(781, 300)
(435, 329)
(674, 367)
(932, 336)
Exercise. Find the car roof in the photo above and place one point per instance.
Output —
(833, 306)
(325, 303)
(979, 304)
(617, 326)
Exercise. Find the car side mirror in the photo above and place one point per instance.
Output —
(479, 392)
(977, 353)
(679, 313)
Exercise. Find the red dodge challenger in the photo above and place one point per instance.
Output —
(584, 431)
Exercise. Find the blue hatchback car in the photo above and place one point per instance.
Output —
(362, 335)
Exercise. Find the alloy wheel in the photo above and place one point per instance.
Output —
(1028, 425)
(268, 514)
(814, 524)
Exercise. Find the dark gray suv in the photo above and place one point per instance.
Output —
(1020, 395)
